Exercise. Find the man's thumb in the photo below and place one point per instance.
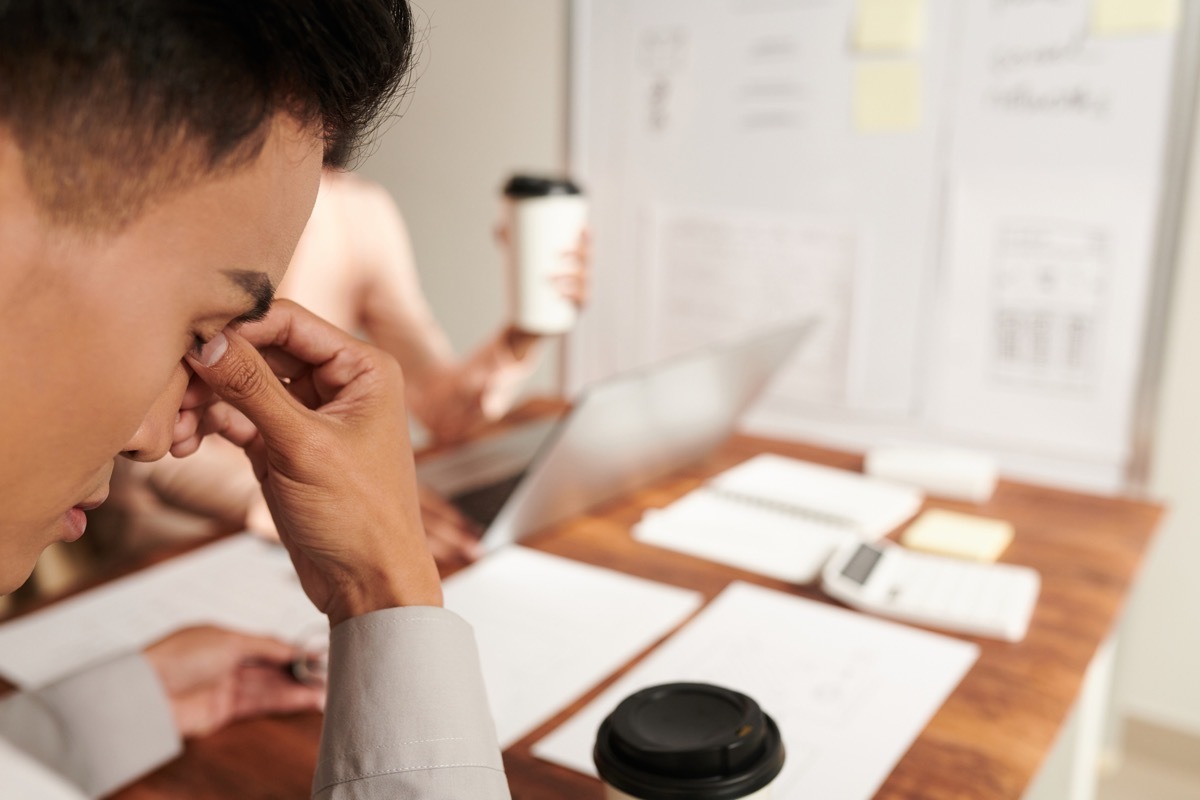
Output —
(242, 378)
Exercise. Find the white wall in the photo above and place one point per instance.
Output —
(489, 100)
(1158, 675)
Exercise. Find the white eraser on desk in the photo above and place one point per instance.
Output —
(941, 471)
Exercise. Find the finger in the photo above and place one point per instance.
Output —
(337, 360)
(294, 330)
(238, 374)
(449, 540)
(264, 649)
(227, 422)
(571, 287)
(186, 424)
(443, 553)
(198, 393)
(286, 366)
(265, 691)
(185, 438)
(450, 534)
(221, 419)
(449, 521)
(204, 710)
(581, 254)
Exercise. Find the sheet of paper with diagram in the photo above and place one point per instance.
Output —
(849, 692)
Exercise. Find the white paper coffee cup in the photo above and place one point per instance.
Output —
(688, 740)
(545, 219)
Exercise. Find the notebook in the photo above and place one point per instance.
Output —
(779, 517)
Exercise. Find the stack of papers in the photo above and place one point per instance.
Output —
(850, 693)
(242, 583)
(779, 516)
(548, 628)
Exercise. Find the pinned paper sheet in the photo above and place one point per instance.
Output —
(1116, 17)
(887, 96)
(961, 535)
(889, 25)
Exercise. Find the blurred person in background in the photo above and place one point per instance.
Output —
(353, 267)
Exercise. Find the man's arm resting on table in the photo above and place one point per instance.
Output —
(407, 713)
(101, 728)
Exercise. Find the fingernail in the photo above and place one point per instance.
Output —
(213, 349)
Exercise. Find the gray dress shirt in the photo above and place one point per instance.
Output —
(406, 717)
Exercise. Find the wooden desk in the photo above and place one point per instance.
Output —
(987, 741)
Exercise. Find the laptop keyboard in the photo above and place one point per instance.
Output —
(483, 505)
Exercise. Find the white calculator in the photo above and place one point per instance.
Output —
(992, 600)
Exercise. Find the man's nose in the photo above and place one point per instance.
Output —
(156, 434)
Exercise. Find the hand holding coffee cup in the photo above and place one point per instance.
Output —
(545, 228)
(688, 740)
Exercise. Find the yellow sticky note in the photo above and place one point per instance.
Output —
(889, 25)
(887, 96)
(963, 535)
(1116, 17)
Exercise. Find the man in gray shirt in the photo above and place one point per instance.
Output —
(158, 160)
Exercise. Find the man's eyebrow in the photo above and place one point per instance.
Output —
(258, 286)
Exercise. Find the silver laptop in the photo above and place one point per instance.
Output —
(622, 433)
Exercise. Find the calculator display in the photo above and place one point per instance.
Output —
(859, 568)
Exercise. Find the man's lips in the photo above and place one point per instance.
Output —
(90, 503)
(94, 500)
(76, 518)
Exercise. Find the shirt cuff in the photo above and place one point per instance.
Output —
(100, 728)
(406, 697)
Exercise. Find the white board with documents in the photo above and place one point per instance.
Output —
(968, 193)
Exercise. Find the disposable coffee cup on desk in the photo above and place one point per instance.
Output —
(545, 218)
(688, 741)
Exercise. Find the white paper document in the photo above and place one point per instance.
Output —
(779, 516)
(22, 777)
(242, 583)
(550, 628)
(850, 692)
(1043, 317)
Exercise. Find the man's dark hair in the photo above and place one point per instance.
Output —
(114, 102)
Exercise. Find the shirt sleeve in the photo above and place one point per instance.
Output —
(100, 728)
(407, 712)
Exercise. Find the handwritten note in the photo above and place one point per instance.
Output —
(1118, 17)
(887, 96)
(889, 25)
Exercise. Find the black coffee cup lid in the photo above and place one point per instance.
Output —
(521, 187)
(688, 740)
